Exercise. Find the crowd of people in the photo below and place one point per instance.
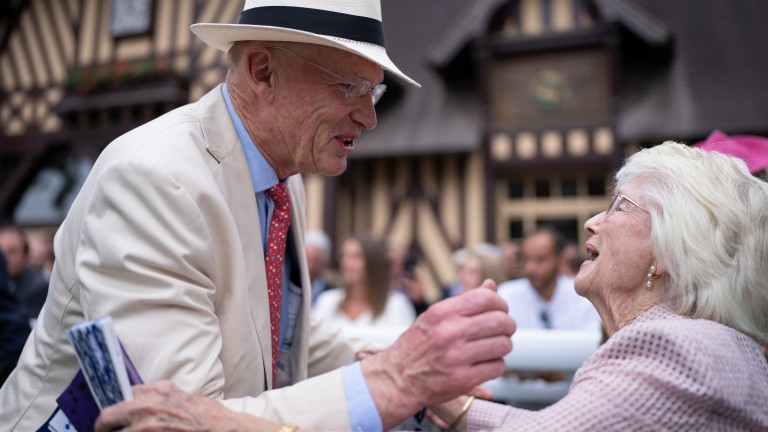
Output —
(24, 274)
(190, 233)
(534, 278)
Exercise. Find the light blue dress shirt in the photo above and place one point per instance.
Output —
(363, 415)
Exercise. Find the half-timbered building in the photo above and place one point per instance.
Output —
(526, 110)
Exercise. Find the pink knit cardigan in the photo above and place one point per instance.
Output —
(663, 372)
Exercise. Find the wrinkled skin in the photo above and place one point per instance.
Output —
(453, 347)
(161, 406)
(456, 345)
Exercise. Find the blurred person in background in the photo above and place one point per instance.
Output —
(317, 247)
(512, 257)
(14, 325)
(571, 259)
(544, 298)
(474, 264)
(478, 267)
(405, 278)
(676, 270)
(41, 254)
(27, 284)
(365, 297)
(458, 257)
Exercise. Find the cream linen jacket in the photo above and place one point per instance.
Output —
(164, 237)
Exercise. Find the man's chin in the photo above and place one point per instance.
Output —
(335, 169)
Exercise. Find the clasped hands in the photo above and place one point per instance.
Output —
(453, 347)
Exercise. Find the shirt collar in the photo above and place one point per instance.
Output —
(263, 175)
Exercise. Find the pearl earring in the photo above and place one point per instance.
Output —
(650, 277)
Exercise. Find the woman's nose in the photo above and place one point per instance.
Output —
(593, 222)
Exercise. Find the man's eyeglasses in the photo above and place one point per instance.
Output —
(618, 203)
(355, 89)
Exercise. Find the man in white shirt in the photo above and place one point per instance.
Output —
(544, 298)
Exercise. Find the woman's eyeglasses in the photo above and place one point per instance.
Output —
(618, 202)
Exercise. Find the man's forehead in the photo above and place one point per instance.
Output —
(322, 53)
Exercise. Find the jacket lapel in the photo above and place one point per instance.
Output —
(300, 350)
(234, 180)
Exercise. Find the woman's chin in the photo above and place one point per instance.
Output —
(581, 282)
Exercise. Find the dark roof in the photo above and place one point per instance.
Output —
(438, 117)
(687, 67)
(636, 19)
(717, 77)
(471, 24)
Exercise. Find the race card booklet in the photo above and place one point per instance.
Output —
(105, 377)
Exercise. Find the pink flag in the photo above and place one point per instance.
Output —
(751, 149)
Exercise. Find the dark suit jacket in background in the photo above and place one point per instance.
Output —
(31, 288)
(14, 325)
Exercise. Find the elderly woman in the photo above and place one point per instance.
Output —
(678, 271)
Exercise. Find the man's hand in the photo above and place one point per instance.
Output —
(367, 352)
(162, 406)
(456, 345)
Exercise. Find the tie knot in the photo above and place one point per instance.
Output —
(279, 194)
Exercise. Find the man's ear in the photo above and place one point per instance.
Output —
(260, 68)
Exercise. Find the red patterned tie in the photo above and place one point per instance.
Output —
(278, 230)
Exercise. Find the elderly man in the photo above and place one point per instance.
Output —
(189, 232)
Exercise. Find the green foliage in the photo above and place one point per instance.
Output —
(104, 78)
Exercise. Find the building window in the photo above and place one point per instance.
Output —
(568, 227)
(596, 186)
(515, 229)
(542, 188)
(131, 17)
(565, 199)
(51, 193)
(569, 187)
(515, 189)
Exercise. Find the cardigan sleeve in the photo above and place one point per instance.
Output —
(644, 378)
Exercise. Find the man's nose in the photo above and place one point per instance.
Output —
(364, 113)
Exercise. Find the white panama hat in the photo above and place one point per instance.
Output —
(350, 25)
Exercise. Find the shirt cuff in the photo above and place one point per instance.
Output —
(363, 415)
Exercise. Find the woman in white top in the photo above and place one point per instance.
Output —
(365, 297)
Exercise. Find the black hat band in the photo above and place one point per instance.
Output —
(352, 27)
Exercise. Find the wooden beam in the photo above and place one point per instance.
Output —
(598, 35)
(12, 11)
(12, 190)
(59, 35)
